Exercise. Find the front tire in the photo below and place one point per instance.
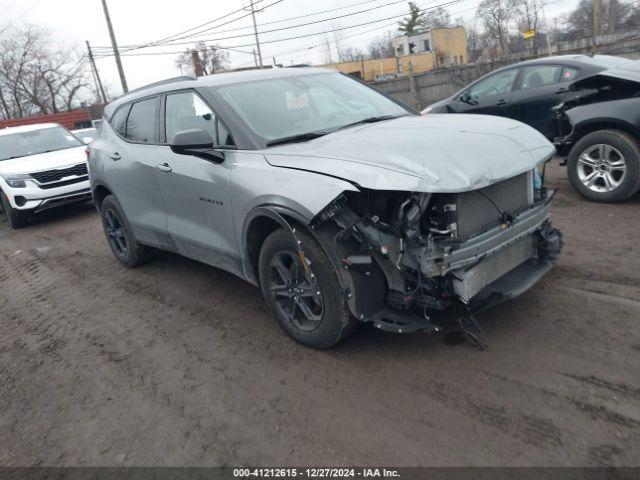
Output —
(120, 236)
(309, 304)
(604, 166)
(16, 218)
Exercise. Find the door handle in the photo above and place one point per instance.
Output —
(114, 156)
(164, 167)
(562, 90)
(502, 102)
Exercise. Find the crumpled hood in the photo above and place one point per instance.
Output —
(44, 161)
(432, 153)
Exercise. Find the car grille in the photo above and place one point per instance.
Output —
(51, 176)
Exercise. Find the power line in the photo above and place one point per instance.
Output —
(166, 40)
(395, 2)
(291, 18)
(449, 3)
(8, 6)
(361, 33)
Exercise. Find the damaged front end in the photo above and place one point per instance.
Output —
(413, 261)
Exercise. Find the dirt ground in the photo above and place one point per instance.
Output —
(178, 363)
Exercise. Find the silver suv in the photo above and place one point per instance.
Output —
(340, 203)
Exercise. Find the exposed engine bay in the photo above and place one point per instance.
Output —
(407, 259)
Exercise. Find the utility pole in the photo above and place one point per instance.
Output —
(255, 31)
(96, 75)
(114, 44)
(546, 27)
(597, 21)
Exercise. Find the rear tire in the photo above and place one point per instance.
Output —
(604, 166)
(310, 306)
(16, 218)
(120, 238)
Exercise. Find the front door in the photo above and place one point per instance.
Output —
(489, 96)
(196, 192)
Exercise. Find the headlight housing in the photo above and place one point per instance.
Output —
(17, 180)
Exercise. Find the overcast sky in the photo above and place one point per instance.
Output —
(71, 22)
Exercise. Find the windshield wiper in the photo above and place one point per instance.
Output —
(379, 118)
(301, 137)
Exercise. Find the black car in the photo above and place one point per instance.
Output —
(542, 92)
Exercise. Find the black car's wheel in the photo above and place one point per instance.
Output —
(307, 300)
(119, 235)
(604, 166)
(16, 218)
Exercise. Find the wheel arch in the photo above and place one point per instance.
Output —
(583, 129)
(259, 224)
(100, 192)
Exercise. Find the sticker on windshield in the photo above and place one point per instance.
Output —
(295, 102)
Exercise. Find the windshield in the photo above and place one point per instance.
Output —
(284, 107)
(22, 144)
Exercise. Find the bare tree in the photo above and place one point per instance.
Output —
(528, 15)
(213, 59)
(381, 47)
(325, 50)
(352, 54)
(617, 16)
(36, 78)
(438, 18)
(337, 42)
(495, 16)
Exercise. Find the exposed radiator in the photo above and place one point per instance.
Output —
(467, 283)
(475, 212)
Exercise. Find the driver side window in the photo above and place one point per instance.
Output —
(497, 84)
(186, 111)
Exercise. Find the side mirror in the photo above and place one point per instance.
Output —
(195, 142)
(467, 98)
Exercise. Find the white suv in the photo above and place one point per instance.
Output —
(41, 167)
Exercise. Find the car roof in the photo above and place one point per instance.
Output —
(27, 128)
(225, 78)
(602, 61)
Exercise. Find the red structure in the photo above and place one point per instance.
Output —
(80, 118)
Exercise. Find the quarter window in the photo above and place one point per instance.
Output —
(569, 74)
(119, 120)
(540, 76)
(186, 110)
(141, 124)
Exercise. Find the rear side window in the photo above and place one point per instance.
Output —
(119, 120)
(540, 76)
(141, 124)
(569, 74)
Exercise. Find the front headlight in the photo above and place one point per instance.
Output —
(16, 180)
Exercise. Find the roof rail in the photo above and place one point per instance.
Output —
(164, 82)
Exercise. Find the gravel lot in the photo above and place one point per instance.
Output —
(177, 363)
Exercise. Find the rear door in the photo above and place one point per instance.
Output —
(540, 88)
(129, 162)
(196, 191)
(489, 96)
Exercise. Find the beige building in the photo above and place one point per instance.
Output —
(424, 51)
